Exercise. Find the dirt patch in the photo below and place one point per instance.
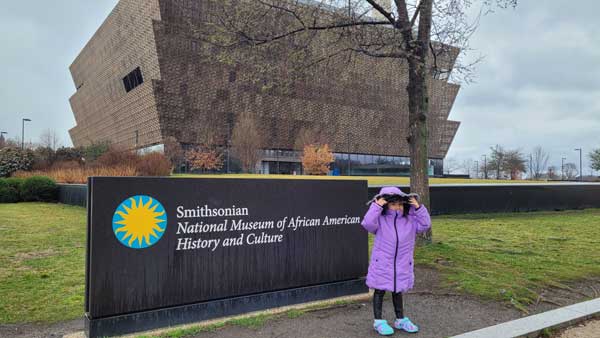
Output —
(589, 329)
(24, 256)
(566, 294)
(41, 330)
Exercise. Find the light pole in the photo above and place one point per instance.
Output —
(562, 169)
(23, 133)
(485, 167)
(580, 165)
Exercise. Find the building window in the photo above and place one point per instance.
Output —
(133, 80)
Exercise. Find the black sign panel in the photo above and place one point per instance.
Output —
(163, 242)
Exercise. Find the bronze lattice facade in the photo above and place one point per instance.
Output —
(140, 80)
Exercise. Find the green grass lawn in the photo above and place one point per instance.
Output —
(507, 257)
(511, 257)
(42, 262)
(373, 180)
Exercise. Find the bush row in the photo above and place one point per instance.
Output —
(32, 189)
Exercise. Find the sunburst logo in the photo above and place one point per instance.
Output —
(139, 222)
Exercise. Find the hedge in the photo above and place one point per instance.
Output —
(32, 189)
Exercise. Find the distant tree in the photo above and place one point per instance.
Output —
(467, 166)
(595, 159)
(552, 173)
(316, 159)
(539, 162)
(13, 143)
(571, 171)
(514, 163)
(2, 141)
(246, 142)
(204, 159)
(49, 139)
(173, 151)
(496, 162)
(451, 165)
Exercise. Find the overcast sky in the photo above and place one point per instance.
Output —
(538, 85)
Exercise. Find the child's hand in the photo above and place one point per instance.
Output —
(381, 201)
(413, 201)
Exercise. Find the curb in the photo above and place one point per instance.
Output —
(532, 326)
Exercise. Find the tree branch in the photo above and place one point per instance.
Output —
(311, 28)
(383, 12)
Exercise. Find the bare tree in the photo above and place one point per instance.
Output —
(309, 35)
(49, 139)
(174, 151)
(467, 166)
(246, 142)
(539, 162)
(571, 171)
(451, 165)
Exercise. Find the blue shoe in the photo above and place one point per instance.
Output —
(406, 325)
(382, 327)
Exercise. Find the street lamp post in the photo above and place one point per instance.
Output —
(485, 167)
(562, 169)
(23, 133)
(580, 165)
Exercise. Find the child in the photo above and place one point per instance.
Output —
(395, 218)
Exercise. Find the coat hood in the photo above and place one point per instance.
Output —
(391, 191)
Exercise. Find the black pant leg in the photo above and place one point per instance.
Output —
(398, 304)
(378, 303)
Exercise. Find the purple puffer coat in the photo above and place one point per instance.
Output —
(391, 266)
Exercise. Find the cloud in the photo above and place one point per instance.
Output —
(39, 42)
(538, 85)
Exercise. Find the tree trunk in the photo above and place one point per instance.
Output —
(418, 107)
(418, 133)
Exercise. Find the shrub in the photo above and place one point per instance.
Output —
(13, 159)
(43, 158)
(79, 174)
(204, 159)
(92, 152)
(316, 159)
(9, 190)
(67, 154)
(70, 164)
(39, 188)
(115, 157)
(153, 164)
